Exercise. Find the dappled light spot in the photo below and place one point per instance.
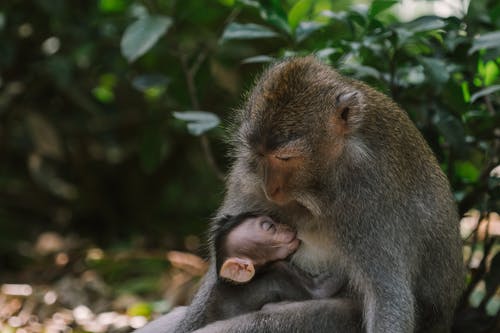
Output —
(107, 318)
(50, 297)
(95, 254)
(120, 321)
(25, 30)
(17, 289)
(51, 45)
(495, 172)
(82, 314)
(49, 242)
(484, 226)
(138, 321)
(14, 321)
(61, 259)
(477, 294)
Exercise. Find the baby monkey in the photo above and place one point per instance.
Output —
(252, 271)
(248, 242)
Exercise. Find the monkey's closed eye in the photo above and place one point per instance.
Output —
(283, 158)
(268, 226)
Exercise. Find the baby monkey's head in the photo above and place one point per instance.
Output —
(249, 241)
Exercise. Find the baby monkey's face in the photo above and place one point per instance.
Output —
(261, 240)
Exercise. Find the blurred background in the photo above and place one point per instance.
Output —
(112, 125)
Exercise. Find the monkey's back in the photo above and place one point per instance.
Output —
(420, 189)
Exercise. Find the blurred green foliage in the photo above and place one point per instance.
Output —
(98, 100)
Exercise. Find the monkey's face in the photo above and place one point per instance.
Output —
(282, 172)
(294, 128)
(280, 162)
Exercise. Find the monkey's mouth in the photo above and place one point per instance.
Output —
(278, 198)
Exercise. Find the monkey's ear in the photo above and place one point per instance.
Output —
(348, 111)
(239, 270)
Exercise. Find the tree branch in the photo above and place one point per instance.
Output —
(190, 73)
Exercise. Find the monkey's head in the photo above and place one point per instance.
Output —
(295, 127)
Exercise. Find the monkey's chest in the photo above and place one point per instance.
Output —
(317, 252)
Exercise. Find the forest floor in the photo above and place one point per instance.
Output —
(69, 286)
(66, 284)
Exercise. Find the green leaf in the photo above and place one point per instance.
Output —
(413, 75)
(324, 54)
(148, 81)
(103, 94)
(273, 13)
(486, 41)
(247, 31)
(360, 71)
(108, 80)
(305, 29)
(484, 92)
(477, 295)
(258, 59)
(467, 171)
(138, 11)
(357, 15)
(490, 73)
(227, 3)
(451, 129)
(425, 23)
(250, 3)
(435, 69)
(493, 306)
(198, 122)
(339, 16)
(298, 12)
(142, 35)
(379, 6)
(111, 6)
(140, 309)
(466, 91)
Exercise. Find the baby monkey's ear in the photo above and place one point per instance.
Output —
(238, 270)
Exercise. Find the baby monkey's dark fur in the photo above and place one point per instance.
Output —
(275, 282)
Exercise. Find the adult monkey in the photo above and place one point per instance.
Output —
(346, 167)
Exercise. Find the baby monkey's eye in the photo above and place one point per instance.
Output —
(268, 225)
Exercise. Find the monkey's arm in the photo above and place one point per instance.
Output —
(201, 308)
(389, 303)
(327, 315)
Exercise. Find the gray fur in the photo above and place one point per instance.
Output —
(380, 208)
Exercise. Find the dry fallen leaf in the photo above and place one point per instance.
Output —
(188, 262)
